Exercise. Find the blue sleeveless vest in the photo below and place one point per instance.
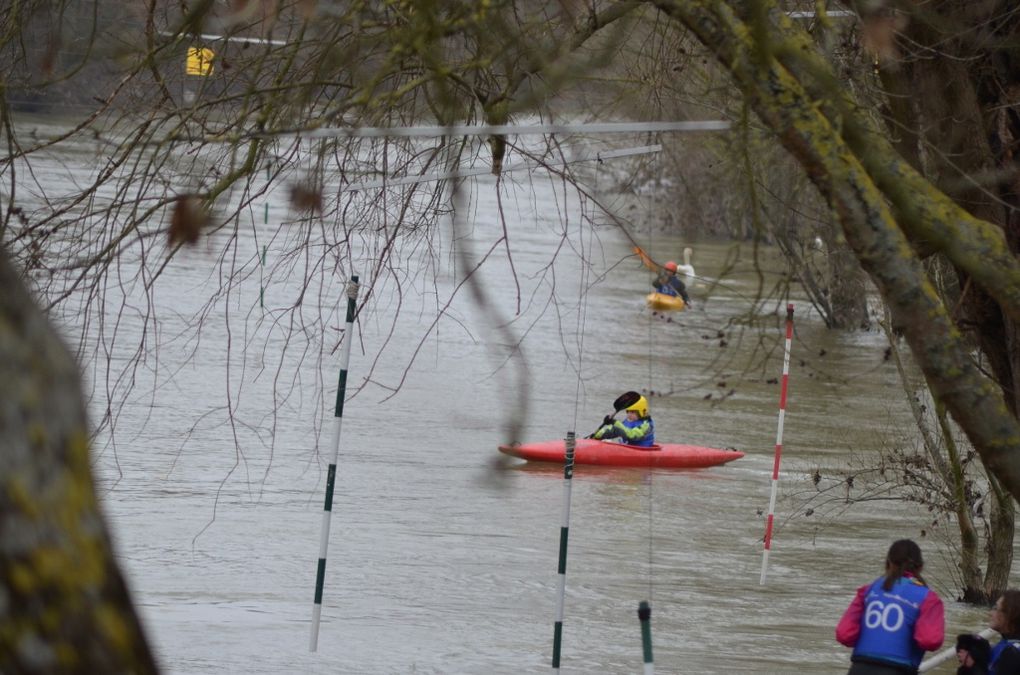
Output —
(997, 650)
(648, 440)
(666, 289)
(887, 625)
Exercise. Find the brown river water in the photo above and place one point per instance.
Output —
(443, 553)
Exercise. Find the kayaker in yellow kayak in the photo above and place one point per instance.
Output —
(638, 429)
(668, 283)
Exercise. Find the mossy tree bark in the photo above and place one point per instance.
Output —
(951, 93)
(64, 606)
(883, 205)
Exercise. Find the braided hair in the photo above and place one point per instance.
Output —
(904, 556)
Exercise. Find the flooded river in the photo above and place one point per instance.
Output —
(443, 554)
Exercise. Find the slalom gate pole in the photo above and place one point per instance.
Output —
(779, 444)
(262, 270)
(645, 615)
(262, 258)
(948, 653)
(568, 473)
(345, 356)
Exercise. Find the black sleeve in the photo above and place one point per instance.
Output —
(682, 290)
(1008, 662)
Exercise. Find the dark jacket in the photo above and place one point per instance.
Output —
(980, 651)
(670, 284)
(1006, 656)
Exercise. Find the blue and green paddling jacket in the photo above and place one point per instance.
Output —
(639, 432)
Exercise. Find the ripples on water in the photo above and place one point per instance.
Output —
(441, 562)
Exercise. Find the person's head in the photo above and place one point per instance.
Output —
(1005, 616)
(639, 408)
(670, 267)
(903, 556)
(973, 650)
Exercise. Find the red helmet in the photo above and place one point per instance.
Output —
(670, 266)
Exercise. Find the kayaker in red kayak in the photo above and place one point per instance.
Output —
(638, 429)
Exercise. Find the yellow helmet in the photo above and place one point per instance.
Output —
(639, 406)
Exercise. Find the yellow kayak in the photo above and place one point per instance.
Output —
(664, 303)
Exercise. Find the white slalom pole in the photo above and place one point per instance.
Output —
(392, 181)
(568, 473)
(508, 129)
(779, 444)
(345, 356)
(949, 653)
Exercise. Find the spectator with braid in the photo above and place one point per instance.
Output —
(895, 619)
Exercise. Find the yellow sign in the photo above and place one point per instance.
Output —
(199, 61)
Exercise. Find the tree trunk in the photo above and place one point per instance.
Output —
(847, 290)
(64, 606)
(882, 204)
(953, 101)
(1000, 543)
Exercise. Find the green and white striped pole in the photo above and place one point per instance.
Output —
(262, 271)
(568, 473)
(345, 355)
(645, 615)
(262, 258)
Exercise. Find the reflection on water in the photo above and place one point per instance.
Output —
(443, 557)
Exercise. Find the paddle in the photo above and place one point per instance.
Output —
(647, 262)
(624, 400)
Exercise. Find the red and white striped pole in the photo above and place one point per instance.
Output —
(779, 443)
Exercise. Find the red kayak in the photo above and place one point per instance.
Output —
(591, 451)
